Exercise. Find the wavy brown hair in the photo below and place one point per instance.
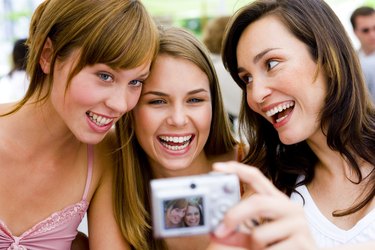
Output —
(348, 116)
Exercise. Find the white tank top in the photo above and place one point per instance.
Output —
(327, 234)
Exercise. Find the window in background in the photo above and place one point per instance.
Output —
(14, 24)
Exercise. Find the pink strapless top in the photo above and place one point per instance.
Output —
(55, 232)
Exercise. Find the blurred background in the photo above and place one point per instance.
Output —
(193, 14)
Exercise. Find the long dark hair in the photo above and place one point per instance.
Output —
(348, 116)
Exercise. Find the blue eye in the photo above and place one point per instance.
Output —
(195, 100)
(136, 83)
(105, 77)
(156, 102)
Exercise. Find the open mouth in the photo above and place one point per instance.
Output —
(176, 143)
(100, 121)
(281, 111)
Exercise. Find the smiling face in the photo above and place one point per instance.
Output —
(192, 216)
(365, 31)
(175, 216)
(282, 84)
(173, 116)
(96, 98)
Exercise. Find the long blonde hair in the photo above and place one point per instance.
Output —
(133, 172)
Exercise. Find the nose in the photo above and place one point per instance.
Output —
(117, 101)
(177, 116)
(122, 99)
(258, 91)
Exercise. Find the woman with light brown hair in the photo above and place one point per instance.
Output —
(87, 62)
(178, 128)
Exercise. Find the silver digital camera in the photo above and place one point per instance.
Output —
(191, 205)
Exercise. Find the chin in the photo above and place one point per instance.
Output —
(289, 140)
(91, 139)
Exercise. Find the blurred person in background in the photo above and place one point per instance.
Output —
(13, 86)
(212, 37)
(363, 23)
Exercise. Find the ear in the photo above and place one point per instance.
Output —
(46, 56)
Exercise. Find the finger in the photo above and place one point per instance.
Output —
(237, 239)
(290, 232)
(249, 175)
(280, 230)
(255, 207)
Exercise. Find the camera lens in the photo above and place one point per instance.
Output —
(192, 186)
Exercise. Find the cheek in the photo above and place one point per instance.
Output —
(205, 124)
(250, 102)
(83, 97)
(146, 125)
(79, 91)
(145, 120)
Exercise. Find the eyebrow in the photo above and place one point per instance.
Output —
(158, 93)
(257, 58)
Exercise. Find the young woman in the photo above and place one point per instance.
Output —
(311, 127)
(175, 211)
(178, 128)
(87, 62)
(193, 215)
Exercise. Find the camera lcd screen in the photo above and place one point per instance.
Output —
(183, 212)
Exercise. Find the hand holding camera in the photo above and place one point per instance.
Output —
(191, 205)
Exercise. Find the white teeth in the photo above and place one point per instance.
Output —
(99, 120)
(175, 139)
(184, 141)
(175, 148)
(279, 108)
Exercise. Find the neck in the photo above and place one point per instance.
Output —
(333, 164)
(38, 127)
(330, 161)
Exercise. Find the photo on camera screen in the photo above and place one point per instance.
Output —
(183, 212)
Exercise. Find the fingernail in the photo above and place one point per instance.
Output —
(221, 231)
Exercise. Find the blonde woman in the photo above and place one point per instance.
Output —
(178, 128)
